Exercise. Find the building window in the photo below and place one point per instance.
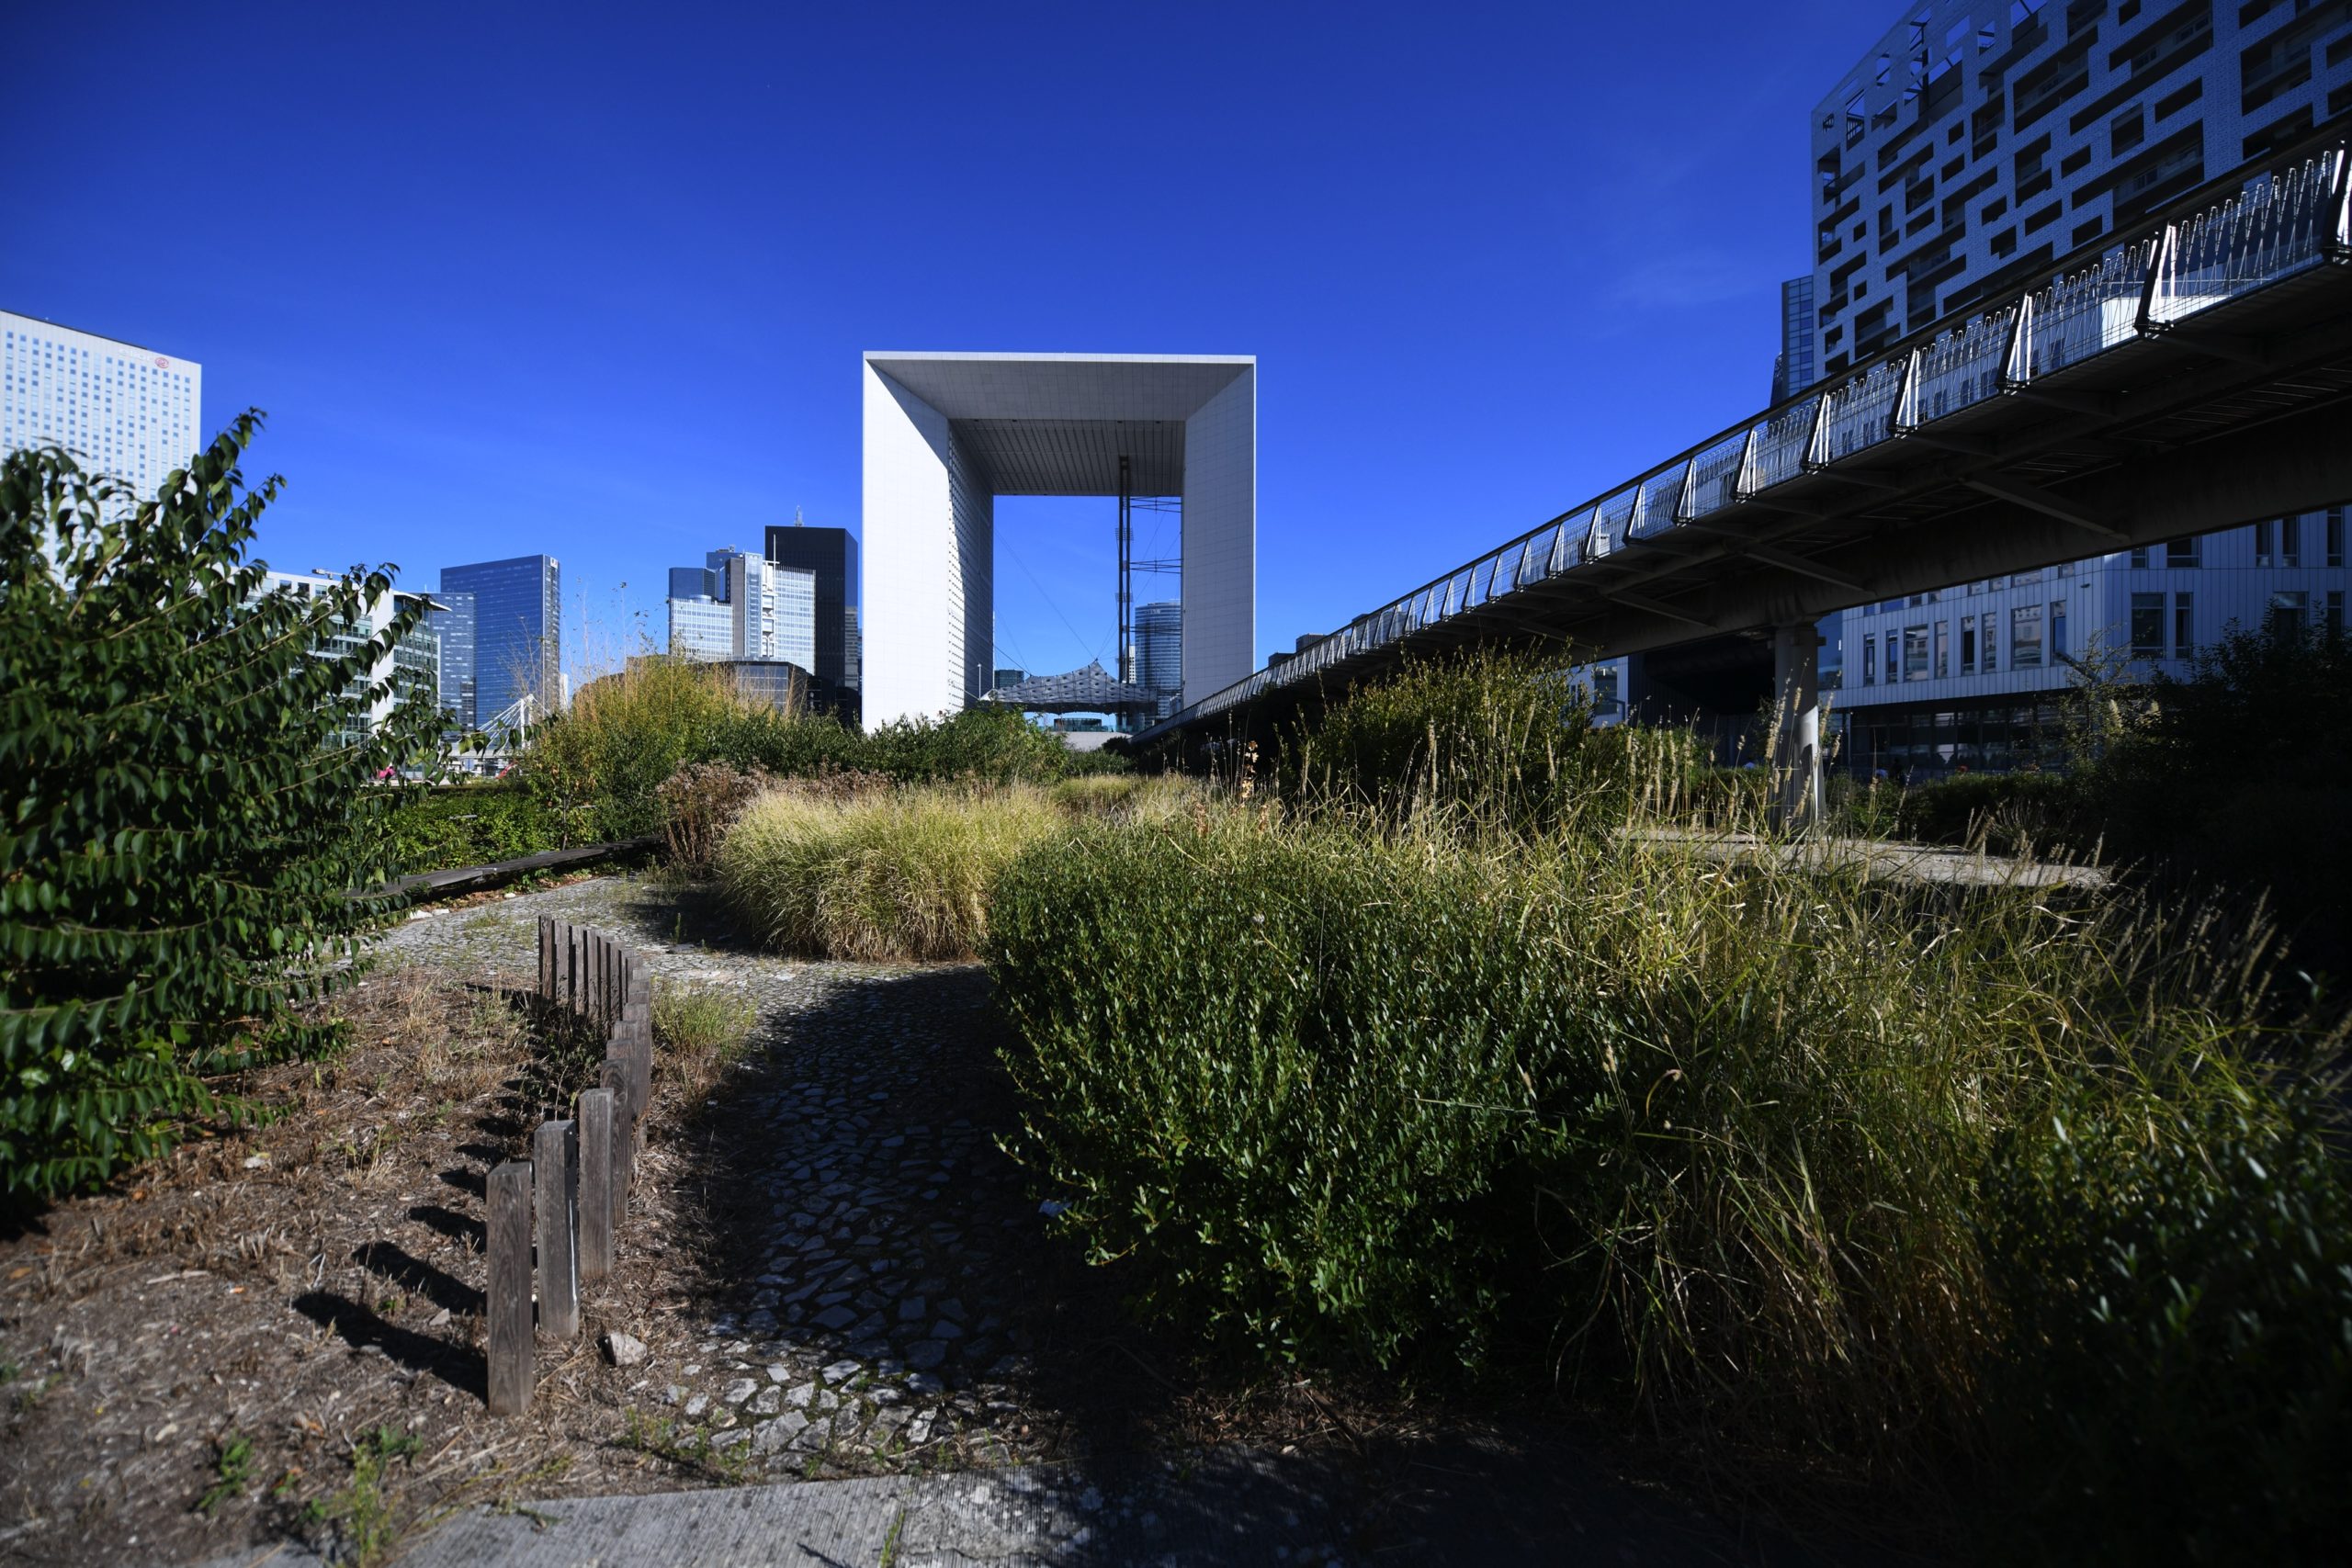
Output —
(2147, 625)
(2335, 536)
(2057, 628)
(2335, 613)
(2285, 617)
(2140, 558)
(1915, 653)
(1968, 644)
(1894, 659)
(2183, 552)
(2291, 541)
(2265, 544)
(1870, 661)
(2184, 628)
(2025, 636)
(1943, 650)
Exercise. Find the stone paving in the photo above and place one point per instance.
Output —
(876, 1323)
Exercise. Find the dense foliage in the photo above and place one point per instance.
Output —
(181, 826)
(597, 768)
(469, 824)
(1907, 1175)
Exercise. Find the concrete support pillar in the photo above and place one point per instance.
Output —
(1796, 751)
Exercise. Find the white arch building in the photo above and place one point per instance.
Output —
(946, 433)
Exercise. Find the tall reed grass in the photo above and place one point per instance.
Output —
(1466, 1073)
(891, 876)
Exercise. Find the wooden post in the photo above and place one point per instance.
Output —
(547, 957)
(510, 1288)
(624, 1170)
(595, 1143)
(636, 1023)
(559, 1277)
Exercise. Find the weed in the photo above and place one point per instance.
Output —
(232, 1464)
(689, 1448)
(360, 1514)
(890, 1541)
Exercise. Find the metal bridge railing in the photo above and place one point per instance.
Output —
(2295, 219)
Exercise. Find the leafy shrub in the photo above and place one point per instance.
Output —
(1279, 1072)
(2175, 1263)
(469, 824)
(699, 803)
(595, 766)
(2007, 812)
(2231, 775)
(182, 823)
(904, 876)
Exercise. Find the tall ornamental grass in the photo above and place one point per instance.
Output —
(895, 875)
(1898, 1176)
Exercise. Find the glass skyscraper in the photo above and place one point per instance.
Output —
(517, 631)
(1159, 652)
(832, 555)
(453, 625)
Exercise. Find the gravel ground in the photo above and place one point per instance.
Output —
(874, 1293)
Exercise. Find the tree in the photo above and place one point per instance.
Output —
(185, 807)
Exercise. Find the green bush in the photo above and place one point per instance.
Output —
(1766, 1149)
(595, 768)
(1278, 1072)
(2174, 1263)
(182, 823)
(469, 824)
(898, 875)
(2007, 811)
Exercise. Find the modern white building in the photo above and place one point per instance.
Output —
(413, 665)
(1977, 144)
(740, 605)
(946, 433)
(123, 411)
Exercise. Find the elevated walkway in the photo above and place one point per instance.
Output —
(2183, 377)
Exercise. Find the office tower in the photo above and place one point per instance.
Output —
(740, 605)
(517, 631)
(1978, 146)
(453, 627)
(122, 411)
(1160, 653)
(413, 665)
(829, 555)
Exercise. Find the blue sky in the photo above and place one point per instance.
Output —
(594, 280)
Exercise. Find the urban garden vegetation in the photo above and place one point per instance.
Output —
(184, 825)
(2041, 1189)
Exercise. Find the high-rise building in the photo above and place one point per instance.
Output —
(413, 665)
(517, 631)
(831, 556)
(738, 605)
(1160, 653)
(126, 412)
(453, 630)
(1976, 144)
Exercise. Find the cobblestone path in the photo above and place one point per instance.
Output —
(892, 1301)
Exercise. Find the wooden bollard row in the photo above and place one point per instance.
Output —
(573, 1194)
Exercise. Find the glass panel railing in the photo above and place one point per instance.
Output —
(1962, 368)
(1715, 479)
(2276, 229)
(1617, 515)
(1861, 411)
(2092, 310)
(1661, 495)
(1780, 441)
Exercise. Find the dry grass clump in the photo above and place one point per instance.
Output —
(879, 877)
(1128, 796)
(701, 1029)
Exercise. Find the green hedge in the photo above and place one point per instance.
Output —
(470, 824)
